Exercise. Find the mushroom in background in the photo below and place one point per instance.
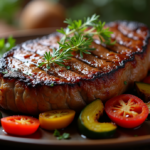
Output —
(42, 14)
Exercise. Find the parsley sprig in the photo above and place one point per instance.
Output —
(78, 37)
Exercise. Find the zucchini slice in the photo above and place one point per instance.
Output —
(143, 90)
(88, 122)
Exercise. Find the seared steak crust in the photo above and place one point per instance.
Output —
(107, 72)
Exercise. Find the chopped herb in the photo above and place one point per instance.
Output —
(5, 72)
(125, 82)
(30, 74)
(59, 137)
(52, 84)
(135, 135)
(56, 133)
(63, 136)
(68, 67)
(48, 67)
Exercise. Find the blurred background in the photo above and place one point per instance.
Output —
(24, 17)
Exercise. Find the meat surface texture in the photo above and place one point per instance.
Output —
(108, 71)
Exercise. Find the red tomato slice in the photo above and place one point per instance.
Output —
(126, 110)
(20, 125)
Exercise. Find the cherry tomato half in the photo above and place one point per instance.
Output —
(56, 119)
(20, 125)
(126, 110)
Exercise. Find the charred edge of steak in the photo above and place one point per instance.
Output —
(21, 77)
(133, 25)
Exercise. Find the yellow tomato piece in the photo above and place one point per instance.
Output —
(56, 119)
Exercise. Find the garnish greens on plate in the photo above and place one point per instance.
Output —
(59, 136)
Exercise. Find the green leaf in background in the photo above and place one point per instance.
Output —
(8, 10)
(10, 43)
(4, 47)
(2, 43)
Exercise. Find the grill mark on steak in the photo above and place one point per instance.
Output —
(55, 70)
(126, 41)
(121, 49)
(101, 52)
(104, 65)
(135, 32)
(104, 53)
(32, 72)
(89, 59)
(77, 70)
(94, 61)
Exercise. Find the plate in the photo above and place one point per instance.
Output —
(43, 139)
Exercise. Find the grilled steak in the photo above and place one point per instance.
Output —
(109, 71)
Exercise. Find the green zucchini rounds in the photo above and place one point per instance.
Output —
(88, 122)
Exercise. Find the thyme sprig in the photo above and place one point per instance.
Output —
(78, 36)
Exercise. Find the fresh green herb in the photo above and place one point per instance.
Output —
(4, 47)
(125, 82)
(56, 133)
(78, 28)
(56, 57)
(63, 136)
(77, 38)
(52, 84)
(5, 72)
(68, 67)
(135, 135)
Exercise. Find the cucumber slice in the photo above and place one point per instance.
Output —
(88, 122)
